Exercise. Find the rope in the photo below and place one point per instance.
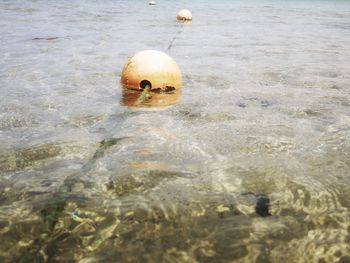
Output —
(143, 95)
(176, 35)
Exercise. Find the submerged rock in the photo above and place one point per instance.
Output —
(262, 206)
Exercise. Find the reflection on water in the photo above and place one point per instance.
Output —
(154, 99)
(250, 163)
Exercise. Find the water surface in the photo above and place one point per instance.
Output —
(264, 115)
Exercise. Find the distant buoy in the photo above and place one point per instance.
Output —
(152, 2)
(184, 15)
(151, 68)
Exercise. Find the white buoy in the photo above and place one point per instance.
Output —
(151, 2)
(184, 15)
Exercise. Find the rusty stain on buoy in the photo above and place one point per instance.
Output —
(184, 15)
(151, 2)
(151, 68)
(155, 99)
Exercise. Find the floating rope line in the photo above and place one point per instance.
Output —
(176, 35)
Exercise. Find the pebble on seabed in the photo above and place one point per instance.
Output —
(262, 206)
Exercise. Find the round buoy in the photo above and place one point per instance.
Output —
(153, 69)
(152, 2)
(184, 15)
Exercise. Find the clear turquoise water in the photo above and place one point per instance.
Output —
(264, 111)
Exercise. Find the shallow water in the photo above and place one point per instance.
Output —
(264, 114)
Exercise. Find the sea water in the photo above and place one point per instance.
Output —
(252, 164)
